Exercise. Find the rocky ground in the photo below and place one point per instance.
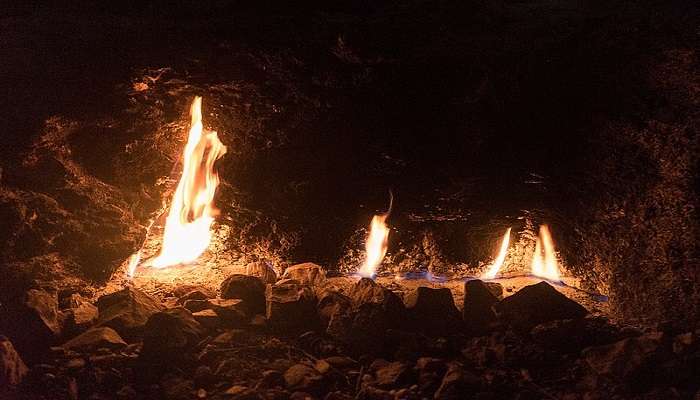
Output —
(307, 336)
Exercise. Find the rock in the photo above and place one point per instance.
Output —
(334, 311)
(536, 304)
(306, 274)
(393, 374)
(291, 307)
(272, 379)
(478, 311)
(303, 377)
(197, 294)
(261, 270)
(207, 318)
(338, 396)
(95, 338)
(84, 313)
(240, 392)
(197, 305)
(341, 362)
(126, 311)
(43, 307)
(572, 335)
(298, 395)
(432, 311)
(250, 289)
(495, 288)
(625, 359)
(12, 368)
(366, 291)
(169, 337)
(457, 384)
(232, 312)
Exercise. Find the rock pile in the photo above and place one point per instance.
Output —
(302, 338)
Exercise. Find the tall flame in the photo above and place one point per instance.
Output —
(187, 226)
(377, 243)
(493, 269)
(544, 261)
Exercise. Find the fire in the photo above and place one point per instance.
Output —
(377, 244)
(544, 261)
(187, 227)
(493, 269)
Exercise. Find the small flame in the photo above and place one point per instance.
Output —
(187, 226)
(544, 261)
(493, 269)
(377, 243)
(133, 263)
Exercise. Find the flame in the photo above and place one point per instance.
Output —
(377, 243)
(133, 263)
(544, 261)
(187, 227)
(493, 269)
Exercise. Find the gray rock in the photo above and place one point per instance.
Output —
(291, 307)
(478, 311)
(169, 337)
(250, 289)
(623, 359)
(306, 274)
(261, 270)
(127, 311)
(536, 304)
(232, 312)
(12, 368)
(95, 338)
(432, 311)
(303, 377)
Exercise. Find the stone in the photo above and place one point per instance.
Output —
(393, 374)
(306, 274)
(95, 338)
(169, 337)
(341, 362)
(207, 318)
(303, 377)
(478, 311)
(127, 311)
(250, 289)
(457, 384)
(536, 304)
(495, 288)
(291, 307)
(261, 270)
(271, 379)
(572, 335)
(232, 312)
(197, 305)
(43, 307)
(432, 311)
(624, 359)
(334, 311)
(12, 368)
(197, 294)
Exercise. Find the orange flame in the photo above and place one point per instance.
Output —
(377, 243)
(493, 269)
(544, 261)
(187, 226)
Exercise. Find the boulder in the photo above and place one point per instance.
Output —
(392, 374)
(291, 307)
(127, 311)
(457, 384)
(250, 289)
(207, 318)
(495, 288)
(262, 270)
(232, 312)
(572, 335)
(169, 337)
(627, 360)
(196, 294)
(334, 311)
(96, 338)
(43, 309)
(306, 274)
(197, 305)
(478, 311)
(12, 368)
(303, 377)
(536, 304)
(432, 311)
